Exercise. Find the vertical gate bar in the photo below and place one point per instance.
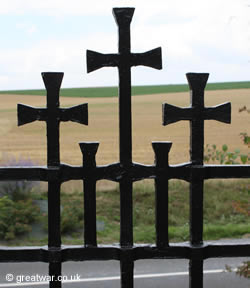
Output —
(125, 118)
(126, 213)
(161, 188)
(89, 189)
(161, 150)
(54, 233)
(196, 273)
(197, 83)
(196, 230)
(127, 274)
(196, 184)
(125, 143)
(55, 270)
(196, 114)
(52, 83)
(127, 269)
(196, 211)
(124, 60)
(125, 127)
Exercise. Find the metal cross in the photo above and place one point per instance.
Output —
(124, 60)
(52, 115)
(197, 114)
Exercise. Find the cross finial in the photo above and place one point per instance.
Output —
(197, 113)
(124, 60)
(161, 150)
(52, 115)
(89, 150)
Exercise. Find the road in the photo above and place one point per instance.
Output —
(148, 273)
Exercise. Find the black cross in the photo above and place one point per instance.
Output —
(124, 60)
(197, 114)
(52, 115)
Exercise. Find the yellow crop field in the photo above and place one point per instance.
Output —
(29, 141)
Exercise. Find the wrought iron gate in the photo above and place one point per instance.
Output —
(125, 173)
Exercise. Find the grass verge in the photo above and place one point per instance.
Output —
(226, 213)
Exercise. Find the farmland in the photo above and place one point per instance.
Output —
(104, 92)
(29, 142)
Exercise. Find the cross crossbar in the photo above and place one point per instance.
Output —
(28, 114)
(197, 111)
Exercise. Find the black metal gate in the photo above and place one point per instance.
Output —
(125, 173)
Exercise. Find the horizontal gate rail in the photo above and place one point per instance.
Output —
(113, 252)
(125, 172)
(115, 172)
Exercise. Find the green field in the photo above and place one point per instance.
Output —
(136, 90)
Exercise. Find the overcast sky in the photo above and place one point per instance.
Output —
(53, 35)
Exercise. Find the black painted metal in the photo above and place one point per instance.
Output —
(124, 60)
(196, 114)
(53, 115)
(161, 150)
(89, 188)
(125, 173)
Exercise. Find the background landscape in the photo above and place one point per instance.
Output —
(226, 203)
(29, 141)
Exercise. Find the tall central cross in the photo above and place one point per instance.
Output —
(124, 60)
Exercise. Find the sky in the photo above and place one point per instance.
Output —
(53, 35)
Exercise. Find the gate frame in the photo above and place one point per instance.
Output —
(125, 173)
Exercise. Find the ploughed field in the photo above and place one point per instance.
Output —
(29, 141)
